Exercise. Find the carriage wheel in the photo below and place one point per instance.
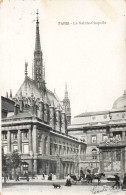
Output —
(73, 182)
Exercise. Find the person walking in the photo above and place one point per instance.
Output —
(43, 176)
(27, 177)
(117, 181)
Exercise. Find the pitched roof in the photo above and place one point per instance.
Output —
(30, 87)
(21, 115)
(7, 104)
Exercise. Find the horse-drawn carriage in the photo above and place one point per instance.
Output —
(88, 178)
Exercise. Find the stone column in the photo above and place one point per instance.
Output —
(68, 168)
(55, 146)
(48, 145)
(101, 162)
(9, 141)
(59, 171)
(112, 159)
(57, 151)
(53, 149)
(34, 138)
(79, 152)
(35, 166)
(19, 141)
(73, 168)
(123, 135)
(122, 168)
(64, 169)
(30, 140)
(43, 145)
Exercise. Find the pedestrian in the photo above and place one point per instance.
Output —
(124, 182)
(17, 177)
(50, 176)
(4, 178)
(68, 181)
(117, 181)
(43, 176)
(27, 177)
(7, 177)
(82, 175)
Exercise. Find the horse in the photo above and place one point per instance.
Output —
(91, 177)
(75, 179)
(98, 177)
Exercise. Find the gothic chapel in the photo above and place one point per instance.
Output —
(38, 126)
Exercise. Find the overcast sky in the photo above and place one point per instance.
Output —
(89, 57)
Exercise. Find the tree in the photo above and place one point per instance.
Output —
(13, 161)
(4, 167)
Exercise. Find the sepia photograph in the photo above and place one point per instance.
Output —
(63, 97)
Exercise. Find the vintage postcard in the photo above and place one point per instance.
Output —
(63, 97)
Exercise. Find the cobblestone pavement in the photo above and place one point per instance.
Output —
(64, 190)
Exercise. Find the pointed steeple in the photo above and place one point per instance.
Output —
(66, 92)
(66, 105)
(38, 68)
(26, 71)
(37, 41)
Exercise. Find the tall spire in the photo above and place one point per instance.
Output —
(26, 71)
(66, 92)
(39, 75)
(37, 41)
(66, 105)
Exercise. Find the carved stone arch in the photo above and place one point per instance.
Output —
(94, 153)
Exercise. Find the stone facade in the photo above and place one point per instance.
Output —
(38, 126)
(105, 135)
(42, 147)
(7, 106)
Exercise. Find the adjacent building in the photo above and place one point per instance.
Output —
(105, 135)
(7, 106)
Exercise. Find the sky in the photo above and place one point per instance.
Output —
(88, 53)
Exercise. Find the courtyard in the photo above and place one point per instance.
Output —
(47, 188)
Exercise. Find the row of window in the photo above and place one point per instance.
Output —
(14, 135)
(116, 135)
(110, 116)
(25, 148)
(107, 155)
(94, 138)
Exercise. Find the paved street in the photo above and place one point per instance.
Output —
(37, 189)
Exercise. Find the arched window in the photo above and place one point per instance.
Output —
(45, 145)
(94, 154)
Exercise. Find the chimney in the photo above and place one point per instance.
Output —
(6, 94)
(10, 94)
